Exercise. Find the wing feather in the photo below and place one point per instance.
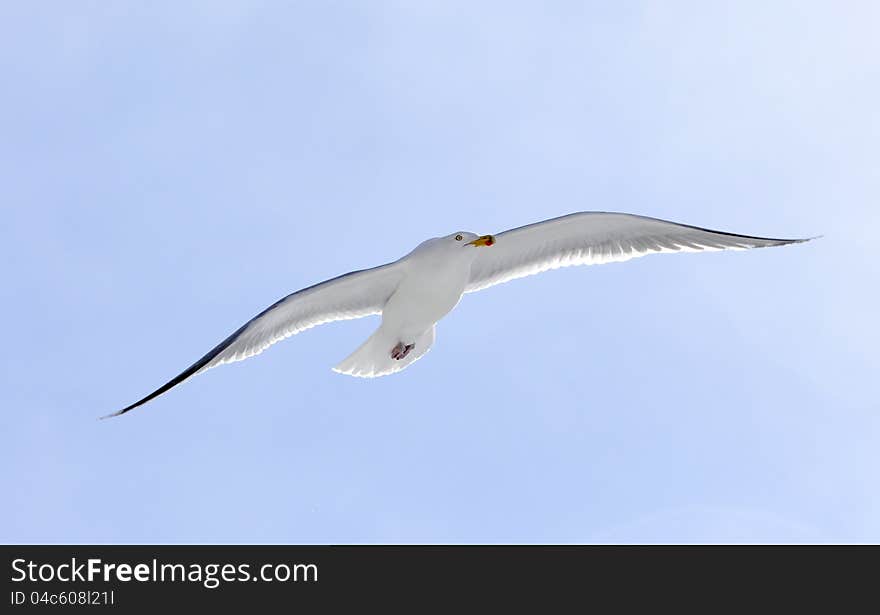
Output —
(595, 238)
(353, 295)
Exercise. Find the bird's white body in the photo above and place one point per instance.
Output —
(413, 293)
(434, 281)
(435, 276)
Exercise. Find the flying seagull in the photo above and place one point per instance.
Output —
(416, 291)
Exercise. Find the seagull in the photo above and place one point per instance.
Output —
(416, 291)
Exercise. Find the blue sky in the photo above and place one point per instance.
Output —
(170, 169)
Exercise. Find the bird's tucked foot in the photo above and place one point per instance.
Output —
(401, 350)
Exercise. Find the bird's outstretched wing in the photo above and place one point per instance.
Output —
(593, 238)
(353, 295)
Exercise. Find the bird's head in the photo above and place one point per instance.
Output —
(464, 238)
(456, 245)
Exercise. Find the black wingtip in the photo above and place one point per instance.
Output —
(191, 371)
(788, 242)
(117, 413)
(126, 409)
(169, 385)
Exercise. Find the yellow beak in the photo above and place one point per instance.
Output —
(485, 240)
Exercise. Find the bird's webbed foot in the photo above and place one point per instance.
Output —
(401, 350)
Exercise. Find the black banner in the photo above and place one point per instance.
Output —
(154, 577)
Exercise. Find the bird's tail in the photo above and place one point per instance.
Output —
(373, 357)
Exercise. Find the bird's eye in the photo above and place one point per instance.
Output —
(458, 238)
